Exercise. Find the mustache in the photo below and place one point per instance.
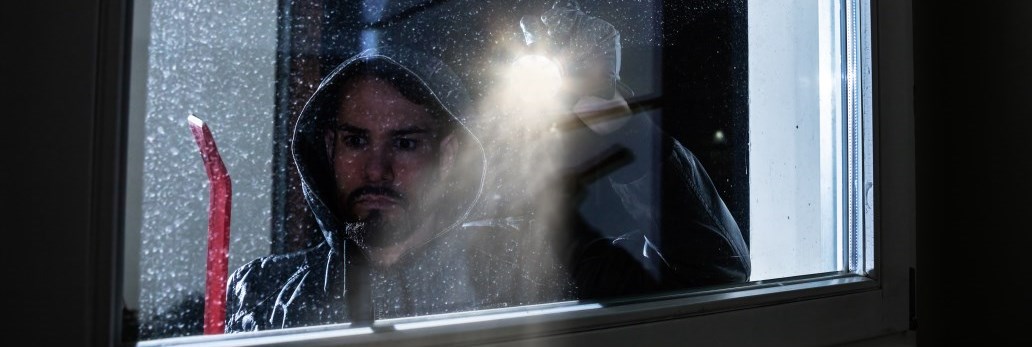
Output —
(374, 190)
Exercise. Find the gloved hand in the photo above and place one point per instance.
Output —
(586, 48)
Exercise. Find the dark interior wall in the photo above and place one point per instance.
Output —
(974, 161)
(60, 93)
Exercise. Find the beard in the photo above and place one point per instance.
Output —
(378, 228)
(378, 231)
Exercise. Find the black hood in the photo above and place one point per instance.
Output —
(421, 74)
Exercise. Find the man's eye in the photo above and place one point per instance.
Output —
(353, 141)
(406, 144)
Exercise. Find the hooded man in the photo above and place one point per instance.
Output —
(635, 210)
(379, 147)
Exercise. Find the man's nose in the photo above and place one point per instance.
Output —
(380, 165)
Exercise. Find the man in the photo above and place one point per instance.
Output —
(378, 148)
(638, 212)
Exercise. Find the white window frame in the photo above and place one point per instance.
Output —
(818, 310)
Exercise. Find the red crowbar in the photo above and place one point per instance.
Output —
(218, 228)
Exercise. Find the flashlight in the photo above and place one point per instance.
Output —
(535, 78)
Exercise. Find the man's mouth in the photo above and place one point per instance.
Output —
(374, 198)
(376, 201)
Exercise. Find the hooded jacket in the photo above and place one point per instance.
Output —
(459, 269)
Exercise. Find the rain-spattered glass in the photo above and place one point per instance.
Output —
(608, 150)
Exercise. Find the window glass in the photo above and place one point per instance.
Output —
(394, 159)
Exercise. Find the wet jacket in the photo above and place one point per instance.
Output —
(461, 268)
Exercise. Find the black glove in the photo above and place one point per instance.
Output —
(586, 48)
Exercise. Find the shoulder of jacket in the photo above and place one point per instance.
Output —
(265, 268)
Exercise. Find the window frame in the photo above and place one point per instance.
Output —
(810, 310)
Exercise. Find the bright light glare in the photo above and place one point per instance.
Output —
(534, 78)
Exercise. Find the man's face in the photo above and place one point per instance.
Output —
(385, 151)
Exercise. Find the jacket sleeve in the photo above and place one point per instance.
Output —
(251, 292)
(692, 241)
(699, 239)
(240, 315)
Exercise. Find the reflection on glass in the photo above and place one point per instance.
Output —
(396, 159)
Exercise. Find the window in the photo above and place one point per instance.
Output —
(776, 100)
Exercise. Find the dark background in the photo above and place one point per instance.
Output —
(974, 171)
(972, 148)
